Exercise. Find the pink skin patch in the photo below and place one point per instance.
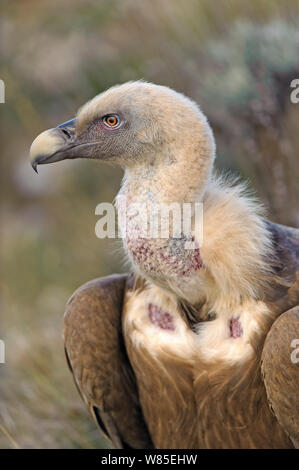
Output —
(236, 330)
(171, 259)
(160, 318)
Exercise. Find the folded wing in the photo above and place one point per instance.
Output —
(280, 369)
(98, 361)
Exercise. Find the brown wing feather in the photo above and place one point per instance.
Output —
(285, 290)
(281, 372)
(97, 358)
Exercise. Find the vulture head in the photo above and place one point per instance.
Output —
(135, 125)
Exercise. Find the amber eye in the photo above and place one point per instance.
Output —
(111, 121)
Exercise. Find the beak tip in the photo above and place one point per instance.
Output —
(50, 146)
(34, 166)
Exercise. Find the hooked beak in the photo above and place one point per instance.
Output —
(57, 144)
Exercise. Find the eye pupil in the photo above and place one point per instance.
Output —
(111, 121)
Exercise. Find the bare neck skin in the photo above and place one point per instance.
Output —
(170, 182)
(178, 173)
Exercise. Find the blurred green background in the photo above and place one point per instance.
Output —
(236, 58)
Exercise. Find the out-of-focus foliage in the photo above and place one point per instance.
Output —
(236, 58)
(246, 88)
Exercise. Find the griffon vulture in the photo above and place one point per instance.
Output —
(196, 347)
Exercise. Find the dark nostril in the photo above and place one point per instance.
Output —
(67, 133)
(68, 128)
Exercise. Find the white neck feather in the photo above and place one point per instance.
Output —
(236, 243)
